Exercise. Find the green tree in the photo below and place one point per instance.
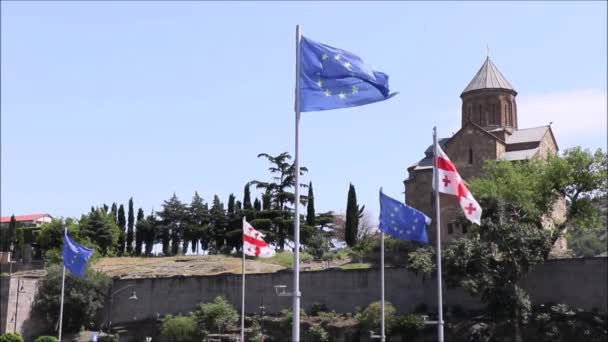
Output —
(122, 225)
(199, 223)
(491, 262)
(139, 237)
(353, 213)
(12, 229)
(178, 328)
(148, 228)
(99, 228)
(310, 207)
(173, 220)
(370, 318)
(218, 224)
(114, 212)
(130, 226)
(247, 198)
(215, 316)
(257, 205)
(83, 299)
(51, 233)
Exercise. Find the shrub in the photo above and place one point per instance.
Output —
(316, 308)
(318, 334)
(409, 325)
(46, 339)
(370, 318)
(215, 315)
(11, 337)
(178, 328)
(84, 297)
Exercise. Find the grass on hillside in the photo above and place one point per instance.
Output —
(356, 266)
(285, 259)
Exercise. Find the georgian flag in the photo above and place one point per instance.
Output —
(451, 183)
(253, 243)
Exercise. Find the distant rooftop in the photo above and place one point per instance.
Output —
(488, 77)
(24, 218)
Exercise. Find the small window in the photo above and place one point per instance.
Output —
(464, 229)
(450, 228)
(470, 156)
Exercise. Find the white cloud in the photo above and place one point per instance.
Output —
(579, 116)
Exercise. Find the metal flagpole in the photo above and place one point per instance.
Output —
(295, 332)
(243, 291)
(382, 336)
(65, 231)
(438, 240)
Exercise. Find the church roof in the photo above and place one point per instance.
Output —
(488, 77)
(527, 135)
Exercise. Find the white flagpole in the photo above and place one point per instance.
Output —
(438, 239)
(295, 332)
(65, 231)
(243, 290)
(382, 336)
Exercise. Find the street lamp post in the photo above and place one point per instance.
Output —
(133, 297)
(262, 308)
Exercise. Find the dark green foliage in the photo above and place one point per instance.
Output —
(122, 225)
(51, 234)
(198, 221)
(215, 316)
(247, 198)
(148, 230)
(218, 224)
(84, 297)
(114, 212)
(370, 318)
(317, 333)
(310, 207)
(178, 328)
(130, 225)
(11, 337)
(99, 228)
(173, 224)
(50, 338)
(257, 205)
(352, 217)
(139, 236)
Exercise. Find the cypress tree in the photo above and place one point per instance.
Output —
(139, 233)
(12, 234)
(247, 198)
(266, 200)
(352, 218)
(114, 212)
(122, 223)
(130, 224)
(257, 205)
(310, 207)
(231, 205)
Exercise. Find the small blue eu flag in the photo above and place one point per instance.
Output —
(401, 221)
(331, 78)
(75, 256)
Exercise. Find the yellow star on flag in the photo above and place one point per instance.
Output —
(346, 65)
(324, 57)
(337, 57)
(342, 96)
(327, 92)
(355, 89)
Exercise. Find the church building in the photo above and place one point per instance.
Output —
(489, 131)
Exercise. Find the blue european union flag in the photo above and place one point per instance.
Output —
(331, 78)
(401, 221)
(75, 256)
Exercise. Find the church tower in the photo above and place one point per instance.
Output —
(489, 100)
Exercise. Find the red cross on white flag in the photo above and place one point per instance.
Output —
(253, 243)
(451, 183)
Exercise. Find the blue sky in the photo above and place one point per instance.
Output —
(103, 101)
